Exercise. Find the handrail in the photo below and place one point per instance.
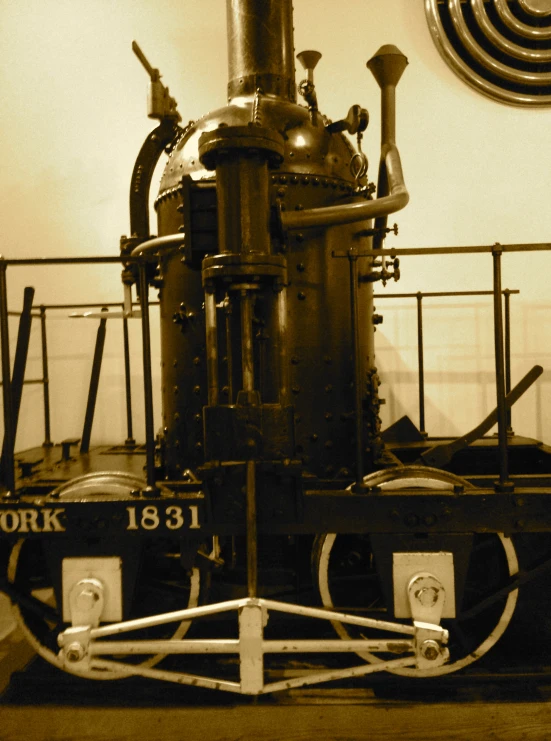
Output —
(496, 250)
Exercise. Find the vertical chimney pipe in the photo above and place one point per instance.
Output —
(260, 48)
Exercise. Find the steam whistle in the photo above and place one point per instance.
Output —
(160, 104)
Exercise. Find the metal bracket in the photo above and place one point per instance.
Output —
(74, 643)
(427, 597)
(416, 644)
(86, 602)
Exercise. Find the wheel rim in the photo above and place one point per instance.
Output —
(35, 630)
(28, 571)
(501, 550)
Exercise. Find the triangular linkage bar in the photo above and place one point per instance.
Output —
(82, 647)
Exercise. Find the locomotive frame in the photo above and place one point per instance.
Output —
(410, 495)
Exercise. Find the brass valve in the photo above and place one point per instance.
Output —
(384, 274)
(355, 121)
(387, 274)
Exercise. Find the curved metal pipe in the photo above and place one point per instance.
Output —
(501, 42)
(158, 244)
(387, 66)
(523, 29)
(152, 149)
(348, 213)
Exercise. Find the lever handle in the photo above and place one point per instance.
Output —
(153, 72)
(439, 455)
(160, 104)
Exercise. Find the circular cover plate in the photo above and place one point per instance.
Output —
(502, 48)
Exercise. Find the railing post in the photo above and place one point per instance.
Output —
(147, 380)
(507, 294)
(421, 363)
(357, 362)
(9, 441)
(127, 383)
(504, 483)
(94, 384)
(19, 365)
(45, 379)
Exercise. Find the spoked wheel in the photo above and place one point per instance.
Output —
(347, 577)
(162, 584)
(159, 589)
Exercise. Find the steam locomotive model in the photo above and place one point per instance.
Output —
(273, 512)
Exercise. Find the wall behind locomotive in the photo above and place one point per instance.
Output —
(73, 119)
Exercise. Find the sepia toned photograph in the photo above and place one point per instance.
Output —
(275, 346)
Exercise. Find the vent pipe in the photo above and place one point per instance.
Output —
(260, 48)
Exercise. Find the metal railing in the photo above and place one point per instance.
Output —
(419, 296)
(12, 384)
(501, 343)
(497, 250)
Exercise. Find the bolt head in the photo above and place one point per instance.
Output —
(75, 652)
(430, 650)
(427, 596)
(87, 599)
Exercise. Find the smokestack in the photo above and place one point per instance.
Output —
(260, 48)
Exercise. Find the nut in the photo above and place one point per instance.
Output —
(75, 652)
(430, 650)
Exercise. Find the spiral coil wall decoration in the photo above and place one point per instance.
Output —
(502, 48)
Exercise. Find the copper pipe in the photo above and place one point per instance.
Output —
(387, 67)
(349, 213)
(158, 245)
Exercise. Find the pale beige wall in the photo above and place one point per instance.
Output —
(73, 119)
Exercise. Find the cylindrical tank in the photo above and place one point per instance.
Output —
(314, 171)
